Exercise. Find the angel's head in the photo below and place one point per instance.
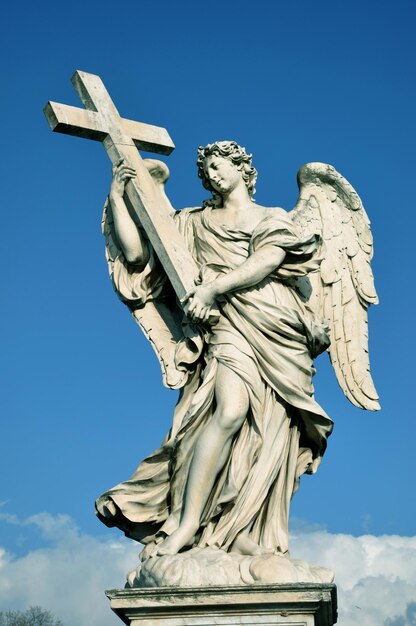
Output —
(235, 163)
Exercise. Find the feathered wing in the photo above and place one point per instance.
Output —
(343, 289)
(148, 294)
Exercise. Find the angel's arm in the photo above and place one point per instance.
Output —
(132, 243)
(259, 264)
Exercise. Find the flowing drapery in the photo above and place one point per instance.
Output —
(268, 336)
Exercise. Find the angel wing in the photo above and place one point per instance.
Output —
(150, 298)
(343, 289)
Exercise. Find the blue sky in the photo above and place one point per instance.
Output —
(82, 399)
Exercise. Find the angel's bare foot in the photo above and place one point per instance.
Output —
(149, 550)
(182, 537)
(244, 545)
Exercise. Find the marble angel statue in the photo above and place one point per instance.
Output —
(275, 289)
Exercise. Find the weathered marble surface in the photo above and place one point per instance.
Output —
(283, 605)
(202, 567)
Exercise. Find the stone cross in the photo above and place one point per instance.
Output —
(122, 138)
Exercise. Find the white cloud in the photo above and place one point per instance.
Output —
(376, 576)
(68, 576)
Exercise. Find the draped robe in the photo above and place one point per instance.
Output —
(268, 336)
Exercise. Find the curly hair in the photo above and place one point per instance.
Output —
(237, 155)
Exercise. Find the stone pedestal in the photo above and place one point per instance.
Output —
(298, 604)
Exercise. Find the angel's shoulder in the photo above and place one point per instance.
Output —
(188, 210)
(184, 216)
(191, 209)
(274, 211)
(271, 214)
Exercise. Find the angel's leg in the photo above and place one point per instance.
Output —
(210, 455)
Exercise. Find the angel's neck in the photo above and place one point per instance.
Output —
(237, 200)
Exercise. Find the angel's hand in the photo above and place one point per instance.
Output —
(201, 298)
(122, 173)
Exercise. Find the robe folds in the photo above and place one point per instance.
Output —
(268, 335)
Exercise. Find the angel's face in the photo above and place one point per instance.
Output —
(223, 175)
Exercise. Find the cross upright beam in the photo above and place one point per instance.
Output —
(122, 138)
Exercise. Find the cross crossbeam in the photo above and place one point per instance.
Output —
(122, 138)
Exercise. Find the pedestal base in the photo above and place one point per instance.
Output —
(298, 604)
